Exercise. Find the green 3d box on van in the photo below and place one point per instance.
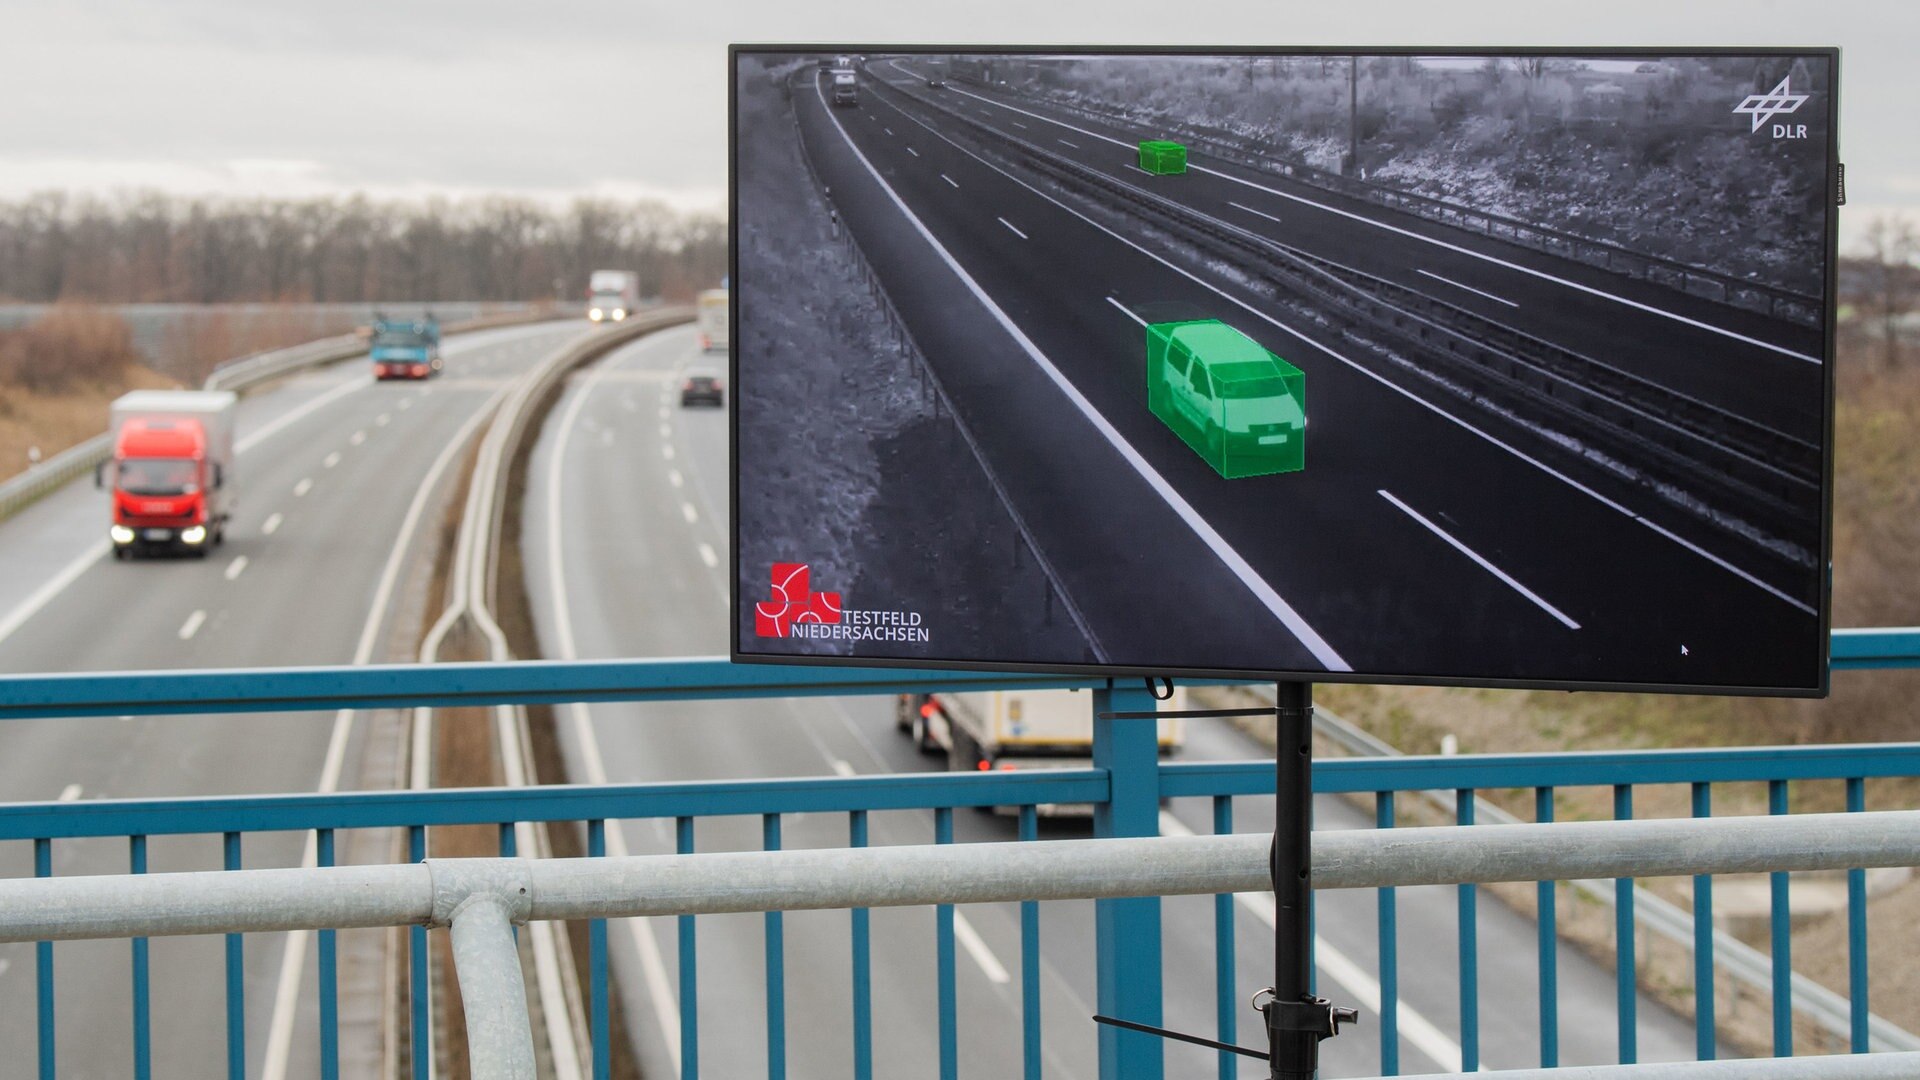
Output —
(1238, 406)
(1163, 158)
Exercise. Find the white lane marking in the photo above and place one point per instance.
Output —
(305, 485)
(660, 990)
(889, 131)
(192, 625)
(1469, 288)
(1402, 391)
(666, 431)
(382, 420)
(293, 957)
(674, 477)
(841, 767)
(268, 526)
(666, 451)
(1496, 260)
(405, 403)
(1258, 213)
(943, 176)
(970, 940)
(687, 511)
(1124, 311)
(708, 556)
(665, 413)
(912, 151)
(70, 793)
(1010, 228)
(4, 965)
(357, 437)
(1291, 619)
(1481, 560)
(293, 415)
(1337, 966)
(606, 437)
(330, 460)
(1064, 142)
(1139, 170)
(237, 567)
(44, 595)
(1019, 125)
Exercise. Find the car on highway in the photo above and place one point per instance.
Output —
(703, 388)
(1239, 406)
(935, 82)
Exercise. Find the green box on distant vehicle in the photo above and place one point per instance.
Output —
(1163, 158)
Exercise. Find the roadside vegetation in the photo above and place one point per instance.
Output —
(57, 375)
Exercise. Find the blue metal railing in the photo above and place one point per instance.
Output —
(1126, 787)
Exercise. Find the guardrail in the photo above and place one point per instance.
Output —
(239, 375)
(1772, 300)
(1127, 784)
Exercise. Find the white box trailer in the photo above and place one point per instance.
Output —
(1004, 730)
(715, 330)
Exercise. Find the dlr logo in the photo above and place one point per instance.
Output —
(1789, 131)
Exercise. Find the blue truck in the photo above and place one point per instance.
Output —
(406, 348)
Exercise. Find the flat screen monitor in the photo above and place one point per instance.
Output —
(1478, 367)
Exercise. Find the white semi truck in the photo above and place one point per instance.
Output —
(612, 295)
(1002, 730)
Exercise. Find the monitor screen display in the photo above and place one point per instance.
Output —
(1506, 368)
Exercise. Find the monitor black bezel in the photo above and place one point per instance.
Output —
(1824, 566)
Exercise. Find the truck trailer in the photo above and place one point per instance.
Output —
(1006, 730)
(612, 295)
(713, 320)
(171, 473)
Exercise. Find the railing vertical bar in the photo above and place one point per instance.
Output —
(1857, 988)
(236, 980)
(1389, 933)
(776, 968)
(142, 1017)
(329, 975)
(1030, 962)
(1225, 995)
(1782, 919)
(689, 970)
(945, 976)
(1469, 930)
(862, 966)
(43, 968)
(1546, 899)
(1626, 980)
(509, 843)
(419, 1007)
(1705, 1037)
(601, 1016)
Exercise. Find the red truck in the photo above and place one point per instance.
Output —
(171, 473)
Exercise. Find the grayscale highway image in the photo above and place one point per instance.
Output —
(1475, 369)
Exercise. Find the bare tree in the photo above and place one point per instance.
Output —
(1892, 246)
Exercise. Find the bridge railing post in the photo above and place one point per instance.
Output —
(1127, 932)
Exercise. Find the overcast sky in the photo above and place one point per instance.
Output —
(550, 99)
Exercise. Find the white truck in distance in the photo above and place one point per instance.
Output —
(713, 320)
(1003, 730)
(612, 295)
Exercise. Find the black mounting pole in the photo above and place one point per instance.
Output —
(1296, 1019)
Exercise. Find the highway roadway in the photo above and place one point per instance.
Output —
(334, 513)
(625, 536)
(1424, 538)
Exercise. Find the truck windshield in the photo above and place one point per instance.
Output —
(403, 338)
(158, 476)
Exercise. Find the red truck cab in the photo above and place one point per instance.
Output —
(169, 484)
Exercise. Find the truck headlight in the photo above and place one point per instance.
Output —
(595, 314)
(193, 534)
(120, 534)
(619, 313)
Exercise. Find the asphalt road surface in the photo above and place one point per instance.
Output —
(625, 538)
(1420, 540)
(330, 464)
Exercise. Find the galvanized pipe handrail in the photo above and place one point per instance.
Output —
(1902, 1066)
(239, 901)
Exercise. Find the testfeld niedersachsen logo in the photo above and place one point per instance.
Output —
(1779, 101)
(796, 611)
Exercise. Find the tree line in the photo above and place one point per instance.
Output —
(152, 248)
